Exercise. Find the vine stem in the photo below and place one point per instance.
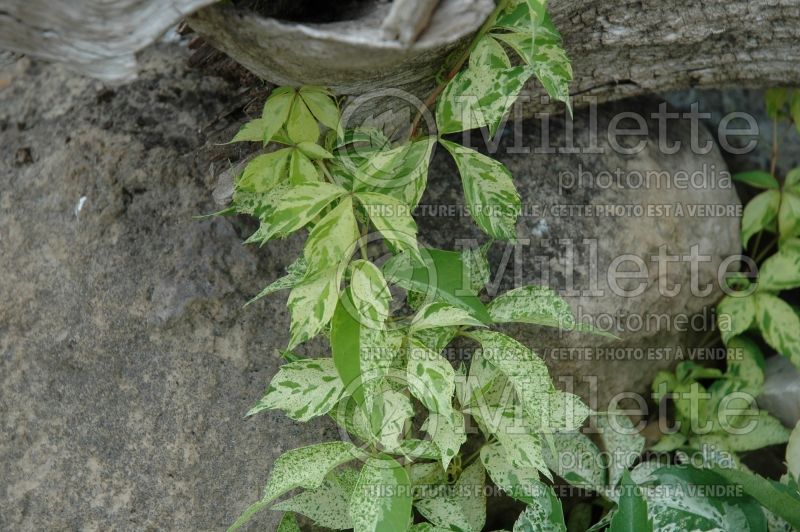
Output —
(431, 99)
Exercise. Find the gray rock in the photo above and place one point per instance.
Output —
(553, 221)
(781, 393)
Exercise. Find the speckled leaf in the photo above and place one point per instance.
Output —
(440, 314)
(334, 238)
(478, 97)
(303, 389)
(577, 460)
(544, 514)
(370, 293)
(393, 219)
(759, 213)
(622, 444)
(631, 513)
(301, 169)
(299, 205)
(288, 524)
(301, 125)
(533, 304)
(391, 412)
(327, 505)
(779, 325)
(489, 191)
(430, 378)
(295, 273)
(401, 172)
(476, 265)
(520, 483)
(760, 430)
(735, 315)
(312, 304)
(460, 507)
(305, 467)
(488, 53)
(381, 500)
(447, 433)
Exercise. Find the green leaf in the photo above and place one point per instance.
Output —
(622, 444)
(391, 412)
(303, 389)
(393, 219)
(305, 467)
(328, 505)
(461, 506)
(533, 304)
(520, 483)
(631, 514)
(478, 97)
(793, 453)
(776, 99)
(314, 151)
(288, 524)
(488, 53)
(264, 172)
(370, 294)
(789, 215)
(757, 179)
(301, 169)
(301, 126)
(476, 265)
(252, 131)
(448, 434)
(765, 431)
(440, 314)
(759, 213)
(401, 172)
(381, 500)
(346, 345)
(489, 191)
(441, 277)
(276, 111)
(544, 514)
(322, 106)
(299, 205)
(295, 273)
(312, 304)
(334, 238)
(735, 315)
(792, 181)
(431, 379)
(776, 498)
(781, 271)
(779, 325)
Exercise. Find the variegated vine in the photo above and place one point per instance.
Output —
(346, 186)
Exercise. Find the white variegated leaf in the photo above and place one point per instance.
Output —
(735, 315)
(393, 219)
(401, 172)
(447, 433)
(518, 482)
(312, 304)
(301, 125)
(440, 314)
(334, 238)
(621, 442)
(533, 304)
(577, 460)
(303, 389)
(328, 505)
(431, 379)
(381, 499)
(544, 514)
(462, 506)
(265, 172)
(370, 294)
(489, 191)
(299, 205)
(779, 325)
(295, 273)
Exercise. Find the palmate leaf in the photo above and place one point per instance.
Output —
(393, 219)
(631, 513)
(577, 460)
(334, 238)
(295, 273)
(304, 389)
(621, 442)
(401, 172)
(273, 117)
(441, 277)
(489, 53)
(264, 172)
(305, 467)
(781, 271)
(381, 499)
(789, 214)
(518, 482)
(462, 506)
(489, 191)
(322, 106)
(438, 314)
(479, 97)
(301, 169)
(757, 179)
(328, 505)
(312, 304)
(301, 125)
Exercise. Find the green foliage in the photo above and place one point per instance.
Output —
(631, 514)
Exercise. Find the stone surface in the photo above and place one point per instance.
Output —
(556, 188)
(781, 393)
(126, 358)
